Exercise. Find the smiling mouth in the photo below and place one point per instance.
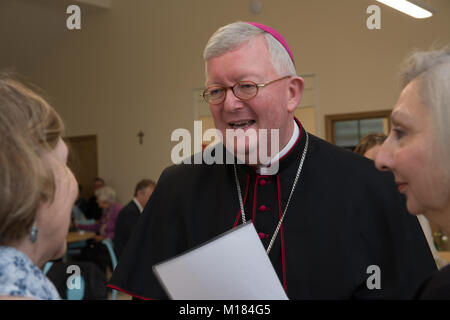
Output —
(241, 124)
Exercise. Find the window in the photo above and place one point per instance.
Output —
(346, 130)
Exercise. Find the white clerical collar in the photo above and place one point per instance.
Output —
(263, 170)
(138, 205)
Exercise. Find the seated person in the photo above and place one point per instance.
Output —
(80, 205)
(92, 210)
(105, 226)
(95, 251)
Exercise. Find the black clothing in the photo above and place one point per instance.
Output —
(82, 204)
(93, 211)
(344, 216)
(437, 287)
(94, 279)
(97, 253)
(125, 223)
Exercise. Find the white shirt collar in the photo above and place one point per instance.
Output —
(284, 151)
(138, 205)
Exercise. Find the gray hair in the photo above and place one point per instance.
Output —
(432, 71)
(106, 194)
(235, 34)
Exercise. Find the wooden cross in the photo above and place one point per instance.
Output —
(141, 137)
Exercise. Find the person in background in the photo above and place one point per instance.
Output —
(81, 202)
(369, 145)
(95, 251)
(37, 191)
(417, 150)
(79, 208)
(93, 211)
(105, 226)
(130, 214)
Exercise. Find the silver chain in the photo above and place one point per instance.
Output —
(241, 204)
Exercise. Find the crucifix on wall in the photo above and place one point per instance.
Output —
(141, 137)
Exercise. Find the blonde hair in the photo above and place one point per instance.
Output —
(369, 141)
(29, 127)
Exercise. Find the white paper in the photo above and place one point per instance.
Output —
(233, 266)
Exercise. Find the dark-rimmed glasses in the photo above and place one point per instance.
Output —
(243, 90)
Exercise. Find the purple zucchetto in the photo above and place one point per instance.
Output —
(276, 35)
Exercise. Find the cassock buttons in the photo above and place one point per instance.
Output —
(262, 235)
(262, 182)
(263, 208)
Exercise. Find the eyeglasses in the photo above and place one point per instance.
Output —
(243, 90)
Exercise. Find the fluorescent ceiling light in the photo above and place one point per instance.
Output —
(415, 8)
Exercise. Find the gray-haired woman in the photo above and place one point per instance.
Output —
(106, 225)
(105, 228)
(417, 150)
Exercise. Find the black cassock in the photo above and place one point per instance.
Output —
(344, 217)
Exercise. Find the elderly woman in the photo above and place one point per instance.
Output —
(368, 147)
(37, 191)
(94, 250)
(106, 225)
(417, 150)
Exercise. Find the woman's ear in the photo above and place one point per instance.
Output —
(295, 91)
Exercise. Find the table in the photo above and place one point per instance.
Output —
(76, 236)
(444, 255)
